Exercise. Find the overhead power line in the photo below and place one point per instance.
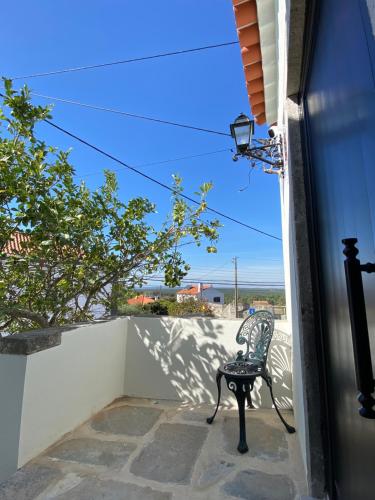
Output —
(155, 181)
(251, 258)
(171, 160)
(254, 277)
(131, 115)
(220, 282)
(218, 276)
(125, 61)
(212, 270)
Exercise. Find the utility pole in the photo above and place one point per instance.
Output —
(235, 286)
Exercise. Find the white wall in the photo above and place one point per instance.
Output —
(293, 311)
(66, 385)
(207, 295)
(12, 378)
(177, 358)
(210, 293)
(289, 255)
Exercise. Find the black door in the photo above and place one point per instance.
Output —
(340, 115)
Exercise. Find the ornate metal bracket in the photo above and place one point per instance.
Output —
(358, 321)
(267, 153)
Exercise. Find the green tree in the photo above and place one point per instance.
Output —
(77, 242)
(189, 307)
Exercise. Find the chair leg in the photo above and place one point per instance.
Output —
(242, 445)
(250, 387)
(288, 427)
(218, 382)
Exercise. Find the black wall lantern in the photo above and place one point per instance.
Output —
(242, 130)
(266, 153)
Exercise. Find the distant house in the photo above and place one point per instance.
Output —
(141, 300)
(201, 292)
(15, 243)
(260, 304)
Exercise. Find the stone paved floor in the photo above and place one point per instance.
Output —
(138, 449)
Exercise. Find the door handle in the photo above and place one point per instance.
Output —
(359, 327)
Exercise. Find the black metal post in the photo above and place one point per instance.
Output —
(358, 321)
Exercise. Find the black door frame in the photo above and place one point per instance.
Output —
(310, 34)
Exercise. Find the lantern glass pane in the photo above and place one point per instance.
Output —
(242, 134)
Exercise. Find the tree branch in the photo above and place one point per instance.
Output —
(18, 312)
(6, 324)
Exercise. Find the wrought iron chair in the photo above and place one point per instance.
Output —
(256, 332)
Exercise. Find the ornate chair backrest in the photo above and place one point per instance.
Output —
(256, 332)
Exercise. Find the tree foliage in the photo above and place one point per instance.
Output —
(78, 242)
(247, 296)
(165, 307)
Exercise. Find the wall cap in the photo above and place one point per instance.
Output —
(30, 342)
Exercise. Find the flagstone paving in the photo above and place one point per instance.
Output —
(139, 449)
(268, 442)
(171, 456)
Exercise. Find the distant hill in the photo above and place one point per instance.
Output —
(275, 296)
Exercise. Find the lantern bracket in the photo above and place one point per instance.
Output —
(266, 154)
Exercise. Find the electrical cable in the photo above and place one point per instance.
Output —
(125, 61)
(254, 277)
(227, 283)
(241, 190)
(142, 165)
(231, 280)
(131, 115)
(155, 181)
(213, 270)
(228, 274)
(224, 282)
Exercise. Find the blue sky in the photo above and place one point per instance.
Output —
(205, 89)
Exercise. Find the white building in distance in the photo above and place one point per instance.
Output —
(201, 292)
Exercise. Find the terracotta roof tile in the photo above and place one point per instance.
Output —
(249, 35)
(257, 98)
(141, 300)
(15, 243)
(258, 109)
(254, 86)
(251, 55)
(246, 13)
(193, 290)
(253, 72)
(246, 16)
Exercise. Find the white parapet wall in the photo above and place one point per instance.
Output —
(12, 379)
(48, 393)
(177, 358)
(48, 390)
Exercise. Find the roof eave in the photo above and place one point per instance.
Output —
(256, 29)
(267, 21)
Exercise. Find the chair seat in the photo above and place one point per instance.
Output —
(243, 368)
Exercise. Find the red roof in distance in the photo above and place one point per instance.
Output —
(193, 290)
(14, 245)
(141, 300)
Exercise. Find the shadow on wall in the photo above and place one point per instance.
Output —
(176, 358)
(279, 366)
